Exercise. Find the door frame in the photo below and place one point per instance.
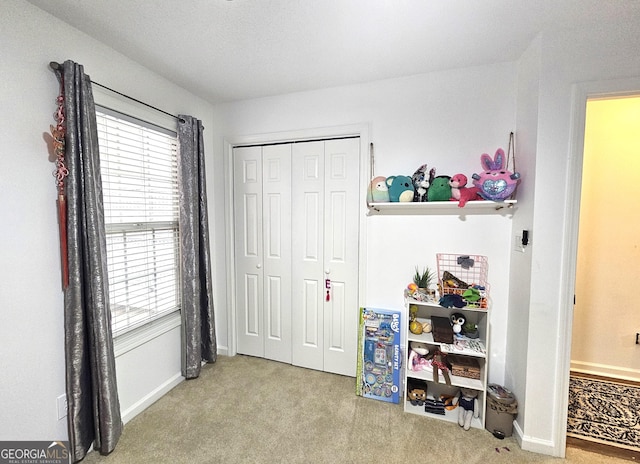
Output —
(581, 92)
(229, 143)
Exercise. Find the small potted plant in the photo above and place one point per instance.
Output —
(470, 330)
(424, 281)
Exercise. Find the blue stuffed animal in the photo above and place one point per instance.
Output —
(451, 300)
(400, 188)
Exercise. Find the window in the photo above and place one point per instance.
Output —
(138, 163)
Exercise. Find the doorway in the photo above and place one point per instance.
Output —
(604, 347)
(608, 242)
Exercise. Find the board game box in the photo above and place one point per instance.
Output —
(379, 373)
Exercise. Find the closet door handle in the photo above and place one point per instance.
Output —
(327, 271)
(258, 266)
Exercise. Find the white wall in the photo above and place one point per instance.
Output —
(520, 270)
(567, 58)
(446, 120)
(31, 319)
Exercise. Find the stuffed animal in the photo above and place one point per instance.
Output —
(440, 365)
(472, 295)
(460, 192)
(452, 300)
(440, 190)
(378, 191)
(467, 400)
(421, 182)
(417, 356)
(457, 321)
(495, 183)
(400, 188)
(417, 396)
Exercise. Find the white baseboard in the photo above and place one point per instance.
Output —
(536, 445)
(151, 398)
(517, 432)
(606, 370)
(159, 392)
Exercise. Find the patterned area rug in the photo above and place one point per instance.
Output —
(604, 412)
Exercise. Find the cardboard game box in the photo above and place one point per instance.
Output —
(379, 373)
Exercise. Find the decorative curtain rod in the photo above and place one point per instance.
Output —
(58, 68)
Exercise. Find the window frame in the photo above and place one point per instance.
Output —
(105, 99)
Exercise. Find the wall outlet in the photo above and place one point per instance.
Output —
(517, 245)
(61, 402)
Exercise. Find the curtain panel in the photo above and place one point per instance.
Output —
(198, 326)
(92, 394)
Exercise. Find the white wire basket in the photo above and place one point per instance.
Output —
(464, 275)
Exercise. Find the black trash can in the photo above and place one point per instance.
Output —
(502, 408)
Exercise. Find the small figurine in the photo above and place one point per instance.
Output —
(457, 321)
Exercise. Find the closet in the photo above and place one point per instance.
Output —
(296, 219)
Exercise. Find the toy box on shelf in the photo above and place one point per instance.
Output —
(379, 355)
(464, 276)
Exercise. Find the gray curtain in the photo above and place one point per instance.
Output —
(198, 325)
(92, 395)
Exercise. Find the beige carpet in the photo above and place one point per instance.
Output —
(248, 410)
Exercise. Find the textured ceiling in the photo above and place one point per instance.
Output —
(227, 50)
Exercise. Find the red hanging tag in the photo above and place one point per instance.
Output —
(327, 285)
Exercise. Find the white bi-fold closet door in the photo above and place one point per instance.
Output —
(296, 252)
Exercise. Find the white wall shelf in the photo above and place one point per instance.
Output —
(506, 207)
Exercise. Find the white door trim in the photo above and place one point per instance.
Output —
(356, 130)
(581, 92)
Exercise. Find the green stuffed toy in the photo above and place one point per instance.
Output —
(439, 190)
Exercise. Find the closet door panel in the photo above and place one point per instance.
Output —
(276, 221)
(335, 324)
(311, 335)
(307, 183)
(341, 237)
(273, 300)
(251, 307)
(248, 249)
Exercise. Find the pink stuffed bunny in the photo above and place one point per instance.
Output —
(495, 183)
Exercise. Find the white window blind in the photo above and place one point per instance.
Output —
(138, 163)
